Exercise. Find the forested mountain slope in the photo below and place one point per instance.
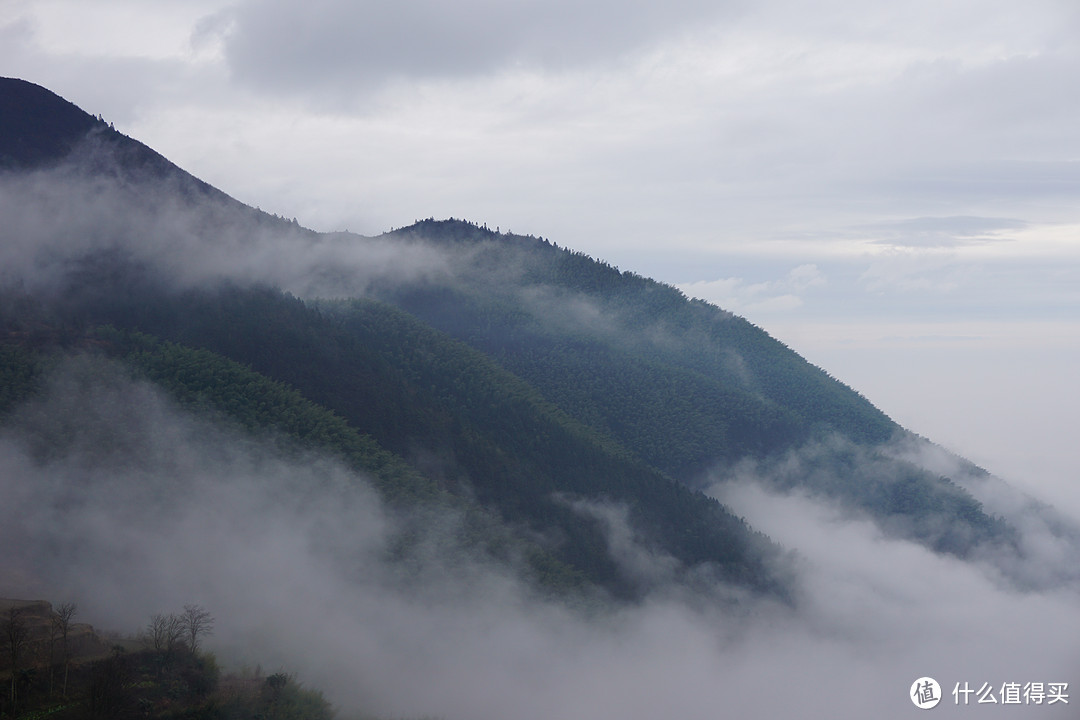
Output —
(452, 414)
(567, 401)
(689, 388)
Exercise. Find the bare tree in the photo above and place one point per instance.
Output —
(165, 632)
(61, 625)
(197, 622)
(15, 633)
(155, 632)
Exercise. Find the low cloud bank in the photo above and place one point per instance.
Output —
(120, 501)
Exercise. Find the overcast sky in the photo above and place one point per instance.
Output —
(890, 188)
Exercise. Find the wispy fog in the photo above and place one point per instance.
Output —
(53, 218)
(120, 501)
(885, 609)
(1039, 555)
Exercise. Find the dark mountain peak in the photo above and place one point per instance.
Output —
(37, 126)
(41, 130)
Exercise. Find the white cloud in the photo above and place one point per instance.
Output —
(112, 28)
(349, 46)
(757, 299)
(806, 276)
(915, 272)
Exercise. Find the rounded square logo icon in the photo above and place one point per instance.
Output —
(925, 693)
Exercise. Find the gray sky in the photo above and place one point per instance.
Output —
(890, 188)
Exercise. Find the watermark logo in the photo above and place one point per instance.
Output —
(925, 693)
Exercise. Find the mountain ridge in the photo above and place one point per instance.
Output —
(533, 380)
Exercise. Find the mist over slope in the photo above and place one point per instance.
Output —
(451, 471)
(142, 504)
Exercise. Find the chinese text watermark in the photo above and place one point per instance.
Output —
(926, 693)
